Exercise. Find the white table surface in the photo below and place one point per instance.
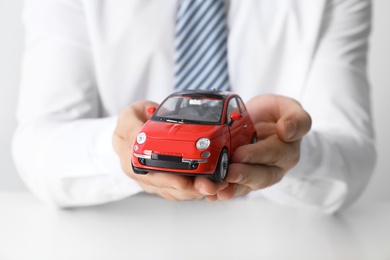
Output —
(147, 227)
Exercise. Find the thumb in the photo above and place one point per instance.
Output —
(294, 122)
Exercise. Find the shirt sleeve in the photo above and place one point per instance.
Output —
(62, 146)
(338, 155)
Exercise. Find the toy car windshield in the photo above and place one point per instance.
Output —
(190, 110)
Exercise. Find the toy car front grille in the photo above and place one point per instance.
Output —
(168, 164)
(168, 158)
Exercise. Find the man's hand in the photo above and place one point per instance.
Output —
(280, 123)
(168, 186)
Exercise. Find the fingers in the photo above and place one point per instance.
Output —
(201, 185)
(172, 194)
(254, 176)
(208, 188)
(168, 186)
(244, 178)
(259, 165)
(294, 124)
(176, 187)
(271, 151)
(165, 180)
(292, 121)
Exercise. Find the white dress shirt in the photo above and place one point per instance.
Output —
(86, 60)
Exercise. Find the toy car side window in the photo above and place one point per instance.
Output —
(242, 106)
(232, 107)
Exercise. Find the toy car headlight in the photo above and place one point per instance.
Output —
(202, 144)
(141, 138)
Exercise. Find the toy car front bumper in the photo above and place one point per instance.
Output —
(169, 162)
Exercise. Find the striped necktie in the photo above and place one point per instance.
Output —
(201, 46)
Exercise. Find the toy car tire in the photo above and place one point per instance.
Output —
(222, 167)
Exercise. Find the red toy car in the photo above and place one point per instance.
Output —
(193, 133)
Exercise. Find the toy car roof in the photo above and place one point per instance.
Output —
(205, 93)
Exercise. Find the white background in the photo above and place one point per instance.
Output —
(11, 47)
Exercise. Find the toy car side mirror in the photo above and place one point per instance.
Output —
(151, 110)
(234, 116)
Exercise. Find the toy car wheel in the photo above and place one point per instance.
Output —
(222, 167)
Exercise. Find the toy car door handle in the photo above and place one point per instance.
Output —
(245, 126)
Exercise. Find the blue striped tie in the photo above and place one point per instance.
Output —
(201, 45)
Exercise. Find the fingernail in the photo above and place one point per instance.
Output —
(291, 128)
